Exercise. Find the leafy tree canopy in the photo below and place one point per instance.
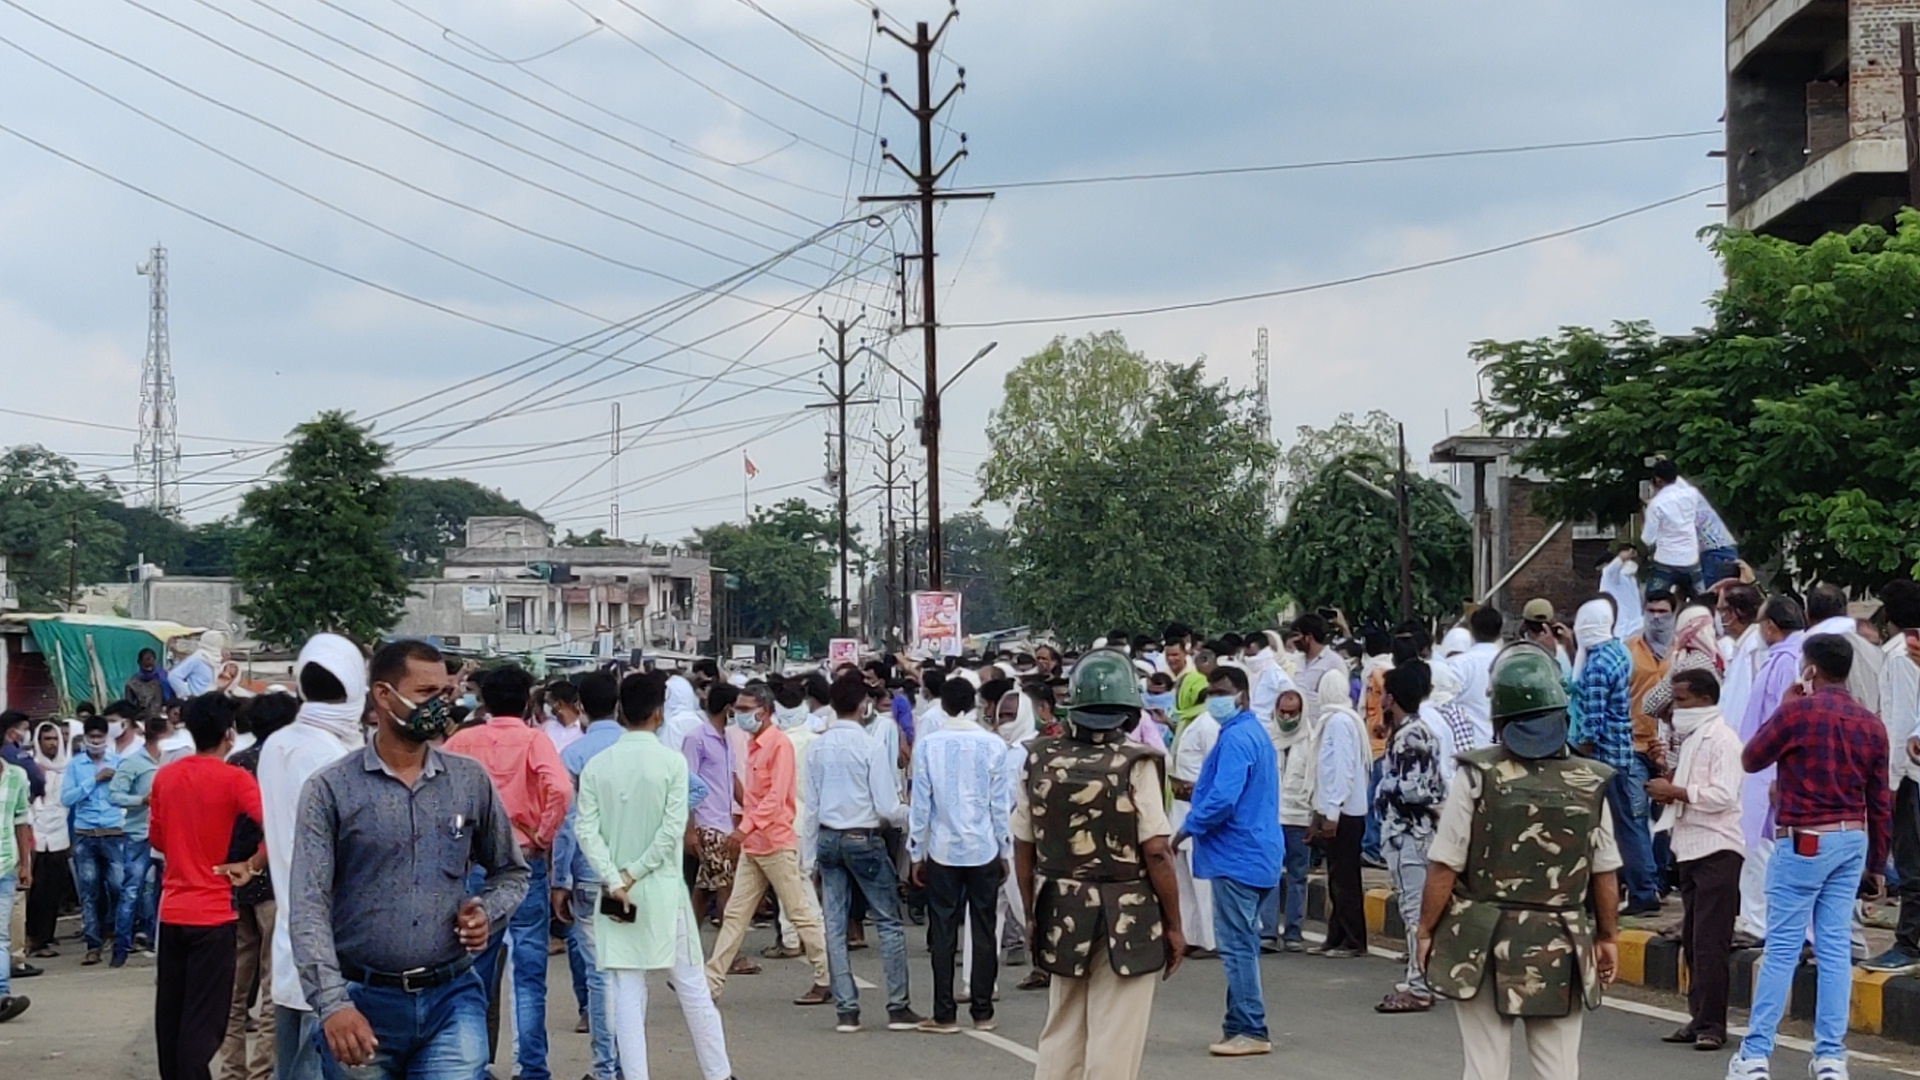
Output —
(1070, 401)
(430, 516)
(1161, 514)
(976, 566)
(1302, 462)
(1797, 411)
(317, 554)
(785, 558)
(43, 505)
(1341, 544)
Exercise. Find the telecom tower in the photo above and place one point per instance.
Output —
(1262, 411)
(157, 455)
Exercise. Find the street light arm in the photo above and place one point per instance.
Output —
(964, 368)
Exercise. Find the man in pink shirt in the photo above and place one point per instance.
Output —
(535, 789)
(769, 851)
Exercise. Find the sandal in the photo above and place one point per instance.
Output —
(743, 966)
(1709, 1042)
(1403, 1001)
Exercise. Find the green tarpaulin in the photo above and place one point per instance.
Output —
(91, 662)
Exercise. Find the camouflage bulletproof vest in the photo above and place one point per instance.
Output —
(1086, 836)
(1520, 904)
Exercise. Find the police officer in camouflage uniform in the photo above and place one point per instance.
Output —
(1096, 876)
(1523, 850)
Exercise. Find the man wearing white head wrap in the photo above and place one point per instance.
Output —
(332, 675)
(683, 713)
(204, 670)
(1340, 812)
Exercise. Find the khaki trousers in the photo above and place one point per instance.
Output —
(1553, 1045)
(781, 870)
(1096, 1026)
(252, 966)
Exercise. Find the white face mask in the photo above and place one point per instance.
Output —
(115, 729)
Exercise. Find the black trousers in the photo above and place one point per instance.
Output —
(1906, 864)
(954, 891)
(193, 993)
(1346, 901)
(1710, 891)
(52, 885)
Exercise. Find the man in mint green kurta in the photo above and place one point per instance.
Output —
(632, 821)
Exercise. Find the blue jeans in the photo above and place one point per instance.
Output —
(1802, 888)
(526, 935)
(1627, 798)
(1236, 930)
(437, 1034)
(1717, 564)
(1370, 840)
(1683, 579)
(298, 1047)
(858, 858)
(135, 857)
(1292, 891)
(96, 877)
(9, 894)
(586, 897)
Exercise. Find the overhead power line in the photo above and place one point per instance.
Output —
(1337, 282)
(1335, 163)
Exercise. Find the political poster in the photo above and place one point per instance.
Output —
(936, 624)
(842, 650)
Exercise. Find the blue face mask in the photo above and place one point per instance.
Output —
(1163, 702)
(1223, 707)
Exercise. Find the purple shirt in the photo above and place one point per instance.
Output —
(1778, 670)
(711, 759)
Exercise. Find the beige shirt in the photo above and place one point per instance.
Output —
(1147, 802)
(1455, 832)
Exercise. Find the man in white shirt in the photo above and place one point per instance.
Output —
(1741, 645)
(1474, 669)
(1827, 614)
(1899, 709)
(1190, 749)
(1671, 532)
(1340, 812)
(959, 841)
(332, 676)
(1316, 660)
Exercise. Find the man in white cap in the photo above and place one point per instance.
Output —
(332, 676)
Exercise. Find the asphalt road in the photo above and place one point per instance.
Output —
(96, 1023)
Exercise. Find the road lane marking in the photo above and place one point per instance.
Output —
(1026, 1054)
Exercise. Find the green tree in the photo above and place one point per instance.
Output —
(43, 505)
(1312, 448)
(1169, 522)
(430, 516)
(1797, 410)
(1340, 546)
(317, 554)
(598, 538)
(153, 536)
(785, 558)
(212, 549)
(1070, 401)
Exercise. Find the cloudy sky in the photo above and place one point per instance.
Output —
(480, 223)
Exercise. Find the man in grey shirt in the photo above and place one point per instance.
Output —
(384, 931)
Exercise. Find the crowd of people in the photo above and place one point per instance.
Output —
(351, 876)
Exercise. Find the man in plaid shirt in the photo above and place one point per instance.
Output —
(1833, 815)
(1605, 731)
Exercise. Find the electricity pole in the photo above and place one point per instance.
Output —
(890, 483)
(925, 177)
(1910, 109)
(73, 559)
(913, 529)
(838, 399)
(1406, 538)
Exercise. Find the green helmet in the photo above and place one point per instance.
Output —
(1103, 690)
(1526, 681)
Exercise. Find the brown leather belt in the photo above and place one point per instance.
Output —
(1781, 832)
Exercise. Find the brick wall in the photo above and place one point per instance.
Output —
(1874, 64)
(1552, 573)
(1826, 117)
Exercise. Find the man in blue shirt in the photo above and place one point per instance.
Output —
(98, 828)
(573, 888)
(1238, 845)
(131, 789)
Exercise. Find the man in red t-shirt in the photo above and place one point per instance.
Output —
(194, 805)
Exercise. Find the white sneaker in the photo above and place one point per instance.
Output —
(1749, 1069)
(1827, 1068)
